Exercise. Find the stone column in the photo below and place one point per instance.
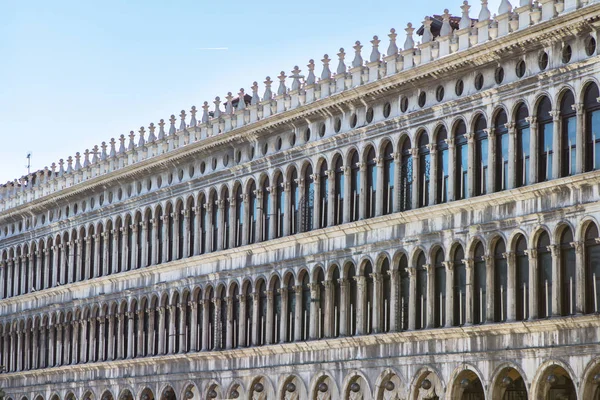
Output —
(242, 334)
(533, 149)
(362, 201)
(412, 273)
(299, 317)
(556, 145)
(533, 282)
(87, 242)
(141, 339)
(217, 329)
(260, 218)
(26, 350)
(102, 345)
(111, 337)
(59, 344)
(397, 179)
(75, 343)
(124, 232)
(416, 181)
(232, 223)
(377, 303)
(512, 154)
(79, 260)
(55, 266)
(449, 265)
(274, 215)
(165, 238)
(151, 332)
(430, 323)
(3, 274)
(331, 197)
(316, 202)
(106, 237)
(221, 232)
(93, 338)
(47, 276)
(395, 294)
(489, 285)
(182, 328)
(433, 173)
(580, 137)
(31, 266)
(198, 230)
(134, 246)
(120, 336)
(64, 249)
(193, 329)
(83, 345)
(19, 364)
(71, 254)
(328, 314)
(491, 171)
(451, 168)
(315, 316)
(471, 163)
(347, 194)
(379, 185)
(579, 276)
(154, 241)
(115, 251)
(209, 225)
(270, 318)
(161, 331)
(361, 305)
(170, 330)
(175, 251)
(35, 360)
(131, 343)
(205, 323)
(43, 350)
(287, 220)
(344, 307)
(511, 289)
(556, 281)
(470, 288)
(256, 340)
(230, 323)
(144, 243)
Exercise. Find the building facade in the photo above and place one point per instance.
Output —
(420, 224)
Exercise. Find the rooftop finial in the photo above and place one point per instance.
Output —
(122, 145)
(310, 79)
(465, 20)
(205, 113)
(193, 112)
(95, 154)
(182, 125)
(142, 141)
(70, 164)
(103, 155)
(485, 12)
(77, 161)
(392, 48)
(131, 144)
(217, 102)
(241, 105)
(151, 129)
(161, 129)
(172, 129)
(341, 69)
(268, 94)
(427, 36)
(409, 43)
(281, 89)
(375, 55)
(296, 78)
(358, 60)
(255, 98)
(86, 158)
(326, 74)
(505, 7)
(113, 151)
(229, 103)
(61, 167)
(446, 29)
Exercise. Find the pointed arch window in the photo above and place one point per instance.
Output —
(279, 205)
(385, 305)
(214, 203)
(500, 282)
(423, 172)
(592, 268)
(306, 300)
(308, 200)
(389, 178)
(338, 212)
(354, 186)
(545, 289)
(323, 195)
(294, 202)
(226, 209)
(568, 135)
(239, 215)
(202, 227)
(567, 273)
(371, 181)
(421, 300)
(265, 209)
(479, 287)
(461, 178)
(592, 127)
(336, 295)
(460, 288)
(481, 156)
(352, 303)
(443, 165)
(406, 176)
(252, 212)
(368, 303)
(439, 308)
(522, 275)
(545, 140)
(523, 146)
(291, 311)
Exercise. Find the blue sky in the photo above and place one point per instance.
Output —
(76, 73)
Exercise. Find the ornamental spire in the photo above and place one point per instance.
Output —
(122, 144)
(409, 43)
(281, 89)
(182, 125)
(217, 102)
(310, 79)
(241, 105)
(193, 112)
(427, 36)
(229, 103)
(375, 55)
(326, 74)
(205, 112)
(142, 141)
(484, 14)
(255, 99)
(161, 129)
(446, 29)
(131, 145)
(341, 66)
(268, 95)
(505, 7)
(465, 20)
(358, 61)
(151, 129)
(392, 48)
(172, 129)
(296, 78)
(86, 158)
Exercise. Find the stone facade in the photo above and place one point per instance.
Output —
(419, 225)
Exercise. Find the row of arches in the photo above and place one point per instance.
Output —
(553, 379)
(523, 277)
(452, 163)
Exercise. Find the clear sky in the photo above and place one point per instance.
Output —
(76, 73)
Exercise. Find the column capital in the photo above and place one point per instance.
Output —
(532, 120)
(449, 265)
(412, 271)
(555, 114)
(578, 246)
(468, 262)
(578, 107)
(531, 253)
(554, 249)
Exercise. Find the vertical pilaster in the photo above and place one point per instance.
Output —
(556, 280)
(469, 295)
(412, 317)
(489, 291)
(450, 301)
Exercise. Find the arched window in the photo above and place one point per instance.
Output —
(545, 140)
(323, 194)
(261, 331)
(406, 176)
(336, 296)
(265, 209)
(389, 177)
(368, 300)
(294, 202)
(203, 228)
(592, 268)
(501, 157)
(249, 311)
(290, 313)
(354, 186)
(179, 215)
(384, 307)
(481, 156)
(279, 205)
(523, 146)
(235, 317)
(308, 200)
(479, 287)
(352, 301)
(276, 310)
(371, 181)
(568, 135)
(306, 299)
(212, 329)
(222, 320)
(567, 273)
(226, 201)
(191, 228)
(423, 171)
(239, 215)
(421, 300)
(500, 282)
(439, 308)
(338, 213)
(443, 165)
(320, 304)
(592, 127)
(460, 288)
(214, 204)
(544, 276)
(461, 167)
(252, 212)
(170, 225)
(522, 275)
